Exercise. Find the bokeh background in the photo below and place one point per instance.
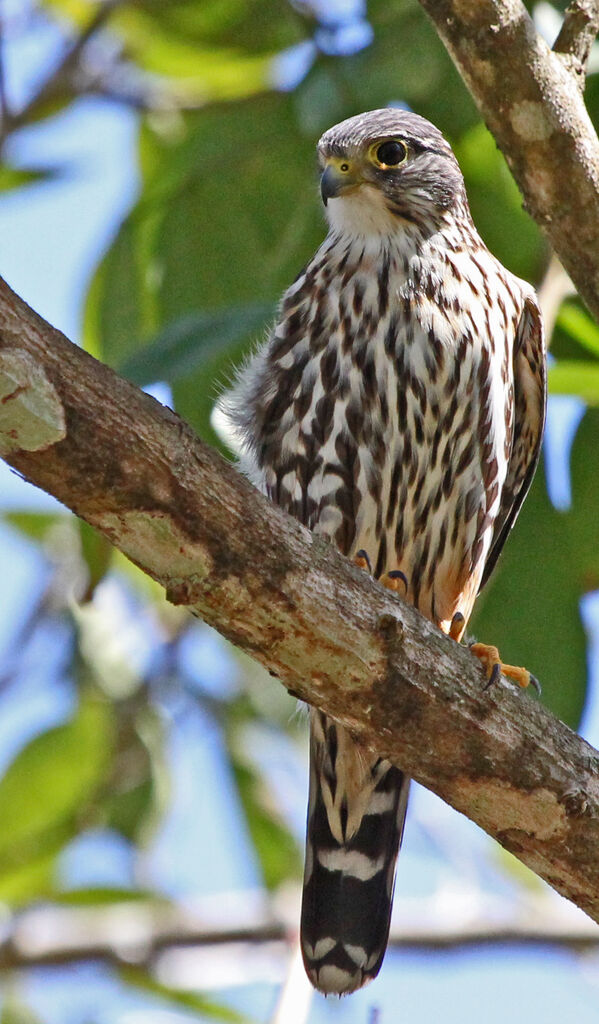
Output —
(158, 191)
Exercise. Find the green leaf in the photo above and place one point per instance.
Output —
(255, 26)
(228, 214)
(18, 177)
(274, 220)
(183, 347)
(34, 525)
(580, 326)
(115, 318)
(131, 805)
(275, 847)
(16, 1012)
(530, 609)
(52, 779)
(246, 182)
(96, 552)
(33, 879)
(496, 204)
(76, 11)
(583, 519)
(197, 52)
(208, 1008)
(102, 896)
(575, 377)
(129, 808)
(132, 801)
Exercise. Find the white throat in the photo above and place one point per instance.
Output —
(361, 213)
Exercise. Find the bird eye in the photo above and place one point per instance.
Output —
(391, 153)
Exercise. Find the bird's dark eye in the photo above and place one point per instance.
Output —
(391, 154)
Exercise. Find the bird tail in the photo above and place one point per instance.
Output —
(356, 812)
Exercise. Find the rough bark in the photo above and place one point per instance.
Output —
(135, 471)
(531, 100)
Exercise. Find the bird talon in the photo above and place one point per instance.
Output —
(362, 560)
(458, 624)
(494, 676)
(495, 668)
(391, 580)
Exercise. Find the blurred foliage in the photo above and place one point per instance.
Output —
(206, 1009)
(15, 1012)
(45, 799)
(232, 96)
(550, 562)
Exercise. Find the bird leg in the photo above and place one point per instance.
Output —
(495, 667)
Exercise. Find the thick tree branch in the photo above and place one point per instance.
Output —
(532, 104)
(134, 470)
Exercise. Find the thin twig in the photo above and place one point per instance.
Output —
(576, 36)
(60, 77)
(95, 24)
(141, 931)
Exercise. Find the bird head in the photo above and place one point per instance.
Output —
(384, 167)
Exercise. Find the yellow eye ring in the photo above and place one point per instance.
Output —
(388, 154)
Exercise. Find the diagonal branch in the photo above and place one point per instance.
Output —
(533, 106)
(135, 471)
(58, 83)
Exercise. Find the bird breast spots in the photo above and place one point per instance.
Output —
(390, 339)
(358, 297)
(329, 369)
(322, 421)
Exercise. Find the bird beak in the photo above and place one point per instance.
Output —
(335, 182)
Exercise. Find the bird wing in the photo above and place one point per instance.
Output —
(530, 400)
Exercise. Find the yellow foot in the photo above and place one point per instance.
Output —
(395, 580)
(458, 624)
(495, 667)
(362, 561)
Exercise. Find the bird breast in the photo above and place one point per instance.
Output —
(382, 408)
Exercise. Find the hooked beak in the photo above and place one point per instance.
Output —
(334, 182)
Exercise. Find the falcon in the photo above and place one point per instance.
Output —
(397, 408)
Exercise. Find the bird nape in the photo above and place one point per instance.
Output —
(396, 408)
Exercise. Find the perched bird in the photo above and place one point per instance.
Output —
(397, 408)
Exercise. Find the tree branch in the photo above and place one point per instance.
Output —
(337, 639)
(534, 108)
(139, 931)
(576, 37)
(61, 81)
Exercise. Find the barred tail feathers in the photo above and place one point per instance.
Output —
(356, 814)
